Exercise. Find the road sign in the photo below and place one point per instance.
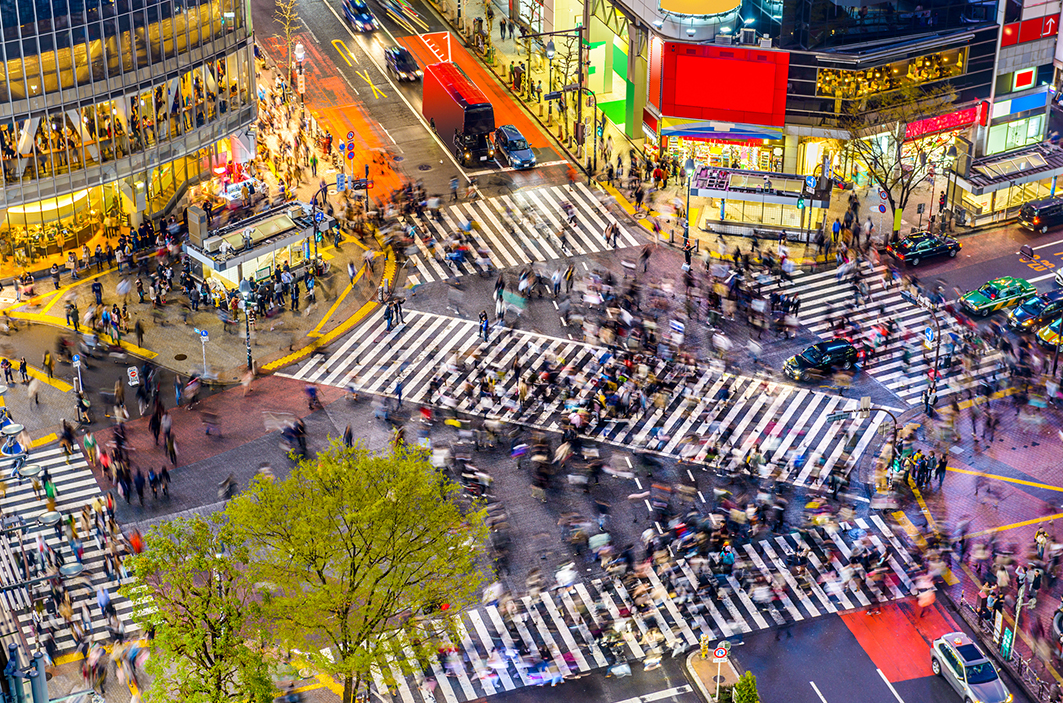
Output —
(1006, 641)
(554, 95)
(929, 332)
(882, 194)
(133, 375)
(882, 208)
(341, 182)
(204, 335)
(719, 655)
(75, 361)
(343, 146)
(834, 417)
(810, 181)
(350, 154)
(350, 135)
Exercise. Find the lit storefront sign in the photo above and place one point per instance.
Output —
(944, 123)
(699, 7)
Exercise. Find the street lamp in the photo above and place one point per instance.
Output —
(300, 54)
(689, 167)
(952, 154)
(551, 50)
(247, 292)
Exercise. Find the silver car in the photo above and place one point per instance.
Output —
(958, 660)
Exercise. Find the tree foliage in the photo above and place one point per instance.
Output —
(363, 551)
(877, 126)
(195, 595)
(288, 19)
(745, 690)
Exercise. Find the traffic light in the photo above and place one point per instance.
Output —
(581, 130)
(600, 126)
(941, 201)
(800, 203)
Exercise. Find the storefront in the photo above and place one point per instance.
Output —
(735, 202)
(752, 155)
(998, 186)
(257, 247)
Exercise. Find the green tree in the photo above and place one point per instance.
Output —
(879, 139)
(745, 690)
(363, 551)
(205, 615)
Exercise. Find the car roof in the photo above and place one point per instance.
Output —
(1052, 296)
(511, 131)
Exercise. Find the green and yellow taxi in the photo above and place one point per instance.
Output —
(1048, 335)
(997, 294)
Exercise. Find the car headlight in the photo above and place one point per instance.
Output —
(468, 155)
(490, 152)
(419, 73)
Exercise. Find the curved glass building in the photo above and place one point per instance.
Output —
(111, 109)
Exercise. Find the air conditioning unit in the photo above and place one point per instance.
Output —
(212, 244)
(724, 39)
(749, 35)
(198, 227)
(765, 42)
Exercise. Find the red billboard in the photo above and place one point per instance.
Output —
(730, 84)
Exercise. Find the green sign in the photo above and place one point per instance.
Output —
(1005, 644)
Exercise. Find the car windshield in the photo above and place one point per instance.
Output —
(989, 290)
(812, 356)
(981, 673)
(405, 62)
(517, 144)
(1034, 305)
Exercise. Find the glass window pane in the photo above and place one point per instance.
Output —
(125, 34)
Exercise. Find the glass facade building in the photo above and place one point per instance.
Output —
(110, 109)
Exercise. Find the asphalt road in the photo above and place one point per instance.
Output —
(856, 658)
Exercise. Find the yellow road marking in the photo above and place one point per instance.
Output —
(377, 92)
(56, 322)
(345, 53)
(56, 295)
(46, 439)
(41, 376)
(1024, 523)
(342, 328)
(350, 286)
(949, 577)
(998, 477)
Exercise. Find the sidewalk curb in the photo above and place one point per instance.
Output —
(693, 678)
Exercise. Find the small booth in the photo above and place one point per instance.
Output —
(738, 201)
(997, 186)
(260, 245)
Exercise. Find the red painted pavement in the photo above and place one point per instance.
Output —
(431, 48)
(898, 640)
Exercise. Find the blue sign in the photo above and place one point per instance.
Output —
(343, 146)
(319, 216)
(341, 182)
(810, 181)
(929, 334)
(350, 135)
(350, 154)
(882, 208)
(76, 358)
(204, 334)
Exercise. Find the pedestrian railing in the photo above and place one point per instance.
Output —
(1021, 668)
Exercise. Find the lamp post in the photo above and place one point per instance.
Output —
(300, 54)
(689, 167)
(247, 292)
(551, 51)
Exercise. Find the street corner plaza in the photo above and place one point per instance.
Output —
(516, 229)
(824, 297)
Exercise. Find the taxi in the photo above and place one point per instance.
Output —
(997, 294)
(1048, 335)
(958, 660)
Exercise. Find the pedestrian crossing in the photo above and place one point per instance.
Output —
(510, 237)
(707, 417)
(75, 487)
(582, 626)
(825, 296)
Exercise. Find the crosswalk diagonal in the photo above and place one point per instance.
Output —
(442, 361)
(502, 649)
(512, 237)
(825, 297)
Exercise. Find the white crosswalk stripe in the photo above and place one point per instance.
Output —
(824, 298)
(705, 410)
(75, 487)
(513, 239)
(502, 651)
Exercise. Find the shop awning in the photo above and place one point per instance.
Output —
(993, 173)
(709, 129)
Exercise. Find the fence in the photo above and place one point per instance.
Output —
(1021, 668)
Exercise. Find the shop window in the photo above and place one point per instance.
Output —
(849, 85)
(1015, 135)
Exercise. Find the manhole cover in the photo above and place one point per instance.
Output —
(180, 357)
(424, 167)
(397, 158)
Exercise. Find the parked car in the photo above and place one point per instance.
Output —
(1041, 215)
(958, 660)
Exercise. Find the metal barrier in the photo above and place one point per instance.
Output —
(1021, 668)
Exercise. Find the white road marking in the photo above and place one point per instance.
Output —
(816, 689)
(890, 686)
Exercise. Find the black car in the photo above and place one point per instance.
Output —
(358, 14)
(401, 64)
(1037, 312)
(510, 143)
(1041, 215)
(821, 359)
(921, 246)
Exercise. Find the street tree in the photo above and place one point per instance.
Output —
(881, 138)
(195, 595)
(284, 13)
(745, 689)
(367, 555)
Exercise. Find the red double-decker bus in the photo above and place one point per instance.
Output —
(459, 112)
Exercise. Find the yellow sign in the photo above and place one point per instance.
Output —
(699, 7)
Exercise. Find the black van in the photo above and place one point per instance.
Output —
(1042, 215)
